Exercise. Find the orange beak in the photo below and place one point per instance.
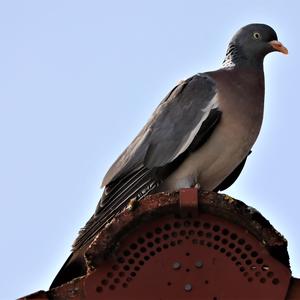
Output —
(279, 47)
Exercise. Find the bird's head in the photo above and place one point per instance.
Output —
(252, 43)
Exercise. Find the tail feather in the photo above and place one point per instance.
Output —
(139, 184)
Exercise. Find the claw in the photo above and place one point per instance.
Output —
(228, 199)
(133, 204)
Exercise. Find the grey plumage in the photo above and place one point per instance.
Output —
(201, 133)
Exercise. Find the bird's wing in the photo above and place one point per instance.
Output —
(171, 128)
(180, 124)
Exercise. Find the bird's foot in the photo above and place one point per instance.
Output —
(197, 186)
(228, 199)
(133, 204)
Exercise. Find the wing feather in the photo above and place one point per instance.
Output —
(182, 120)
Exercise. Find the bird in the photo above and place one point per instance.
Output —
(200, 135)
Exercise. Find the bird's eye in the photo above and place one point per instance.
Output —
(256, 35)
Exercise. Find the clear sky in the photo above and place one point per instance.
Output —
(78, 79)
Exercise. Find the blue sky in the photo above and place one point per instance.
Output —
(78, 79)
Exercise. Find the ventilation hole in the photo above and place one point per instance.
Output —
(182, 232)
(125, 285)
(253, 268)
(115, 267)
(136, 255)
(167, 227)
(197, 224)
(128, 279)
(133, 274)
(209, 244)
(165, 237)
(109, 274)
(187, 223)
(187, 270)
(224, 241)
(116, 280)
(195, 241)
(99, 289)
(254, 253)
(248, 262)
(169, 283)
(248, 247)
(121, 260)
(257, 274)
(133, 246)
(216, 228)
(126, 252)
(238, 263)
(174, 234)
(149, 235)
(208, 235)
(187, 254)
(241, 241)
(157, 240)
(141, 263)
(200, 233)
(112, 287)
(242, 269)
(231, 245)
(179, 242)
(228, 254)
(165, 246)
(270, 274)
(191, 232)
(222, 250)
(104, 281)
(233, 258)
(243, 255)
(121, 274)
(141, 240)
(216, 247)
(216, 237)
(126, 268)
(238, 250)
(146, 257)
(262, 280)
(152, 253)
(136, 268)
(225, 231)
(158, 249)
(150, 244)
(215, 298)
(206, 282)
(250, 279)
(173, 243)
(143, 249)
(259, 261)
(233, 236)
(131, 261)
(177, 225)
(275, 281)
(206, 225)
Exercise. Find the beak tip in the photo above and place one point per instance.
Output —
(278, 46)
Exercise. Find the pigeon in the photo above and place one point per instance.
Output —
(200, 135)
